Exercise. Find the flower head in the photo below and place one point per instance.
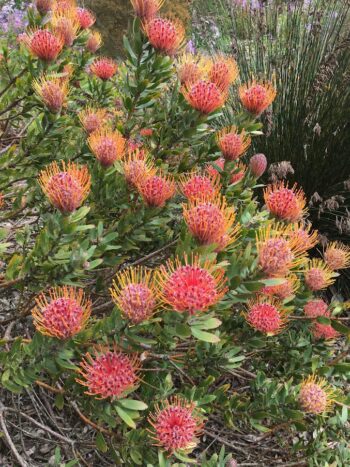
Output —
(137, 167)
(285, 203)
(164, 34)
(318, 276)
(156, 189)
(134, 292)
(211, 170)
(85, 17)
(108, 146)
(283, 291)
(52, 91)
(302, 235)
(195, 186)
(92, 119)
(256, 97)
(191, 287)
(109, 373)
(44, 44)
(146, 9)
(104, 68)
(66, 25)
(324, 331)
(315, 308)
(175, 425)
(66, 187)
(266, 315)
(204, 96)
(337, 256)
(146, 132)
(191, 68)
(316, 395)
(238, 173)
(223, 71)
(233, 143)
(44, 6)
(258, 164)
(94, 41)
(63, 314)
(64, 5)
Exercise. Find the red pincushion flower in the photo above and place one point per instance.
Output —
(64, 314)
(324, 331)
(238, 173)
(223, 72)
(104, 68)
(318, 276)
(146, 132)
(302, 235)
(175, 425)
(94, 42)
(108, 146)
(211, 170)
(191, 68)
(156, 189)
(258, 164)
(191, 287)
(285, 203)
(256, 97)
(43, 44)
(53, 91)
(195, 186)
(283, 291)
(66, 25)
(85, 17)
(44, 6)
(204, 96)
(266, 315)
(137, 167)
(109, 373)
(337, 256)
(316, 395)
(134, 292)
(315, 308)
(164, 34)
(66, 188)
(93, 119)
(233, 143)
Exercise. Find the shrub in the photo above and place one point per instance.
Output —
(116, 169)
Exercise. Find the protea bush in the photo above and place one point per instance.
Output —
(153, 310)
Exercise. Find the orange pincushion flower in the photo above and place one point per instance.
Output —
(137, 167)
(204, 96)
(223, 72)
(337, 256)
(285, 203)
(266, 315)
(108, 146)
(196, 186)
(64, 314)
(238, 173)
(94, 41)
(211, 170)
(44, 44)
(191, 287)
(52, 91)
(283, 291)
(318, 276)
(66, 188)
(233, 143)
(156, 189)
(191, 68)
(316, 396)
(85, 17)
(66, 25)
(44, 6)
(302, 234)
(146, 9)
(134, 292)
(209, 220)
(176, 425)
(93, 119)
(104, 68)
(164, 34)
(256, 97)
(109, 373)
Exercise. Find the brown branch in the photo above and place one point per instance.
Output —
(49, 388)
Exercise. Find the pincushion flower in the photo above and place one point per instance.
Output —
(146, 132)
(211, 170)
(108, 146)
(266, 315)
(66, 25)
(318, 275)
(209, 220)
(94, 41)
(104, 68)
(223, 71)
(53, 91)
(204, 96)
(63, 313)
(93, 119)
(315, 308)
(137, 167)
(316, 396)
(324, 331)
(85, 18)
(134, 292)
(337, 256)
(191, 68)
(257, 96)
(233, 143)
(191, 287)
(302, 234)
(109, 373)
(65, 187)
(146, 9)
(44, 6)
(283, 291)
(156, 189)
(43, 44)
(238, 173)
(196, 186)
(175, 425)
(285, 203)
(258, 164)
(165, 35)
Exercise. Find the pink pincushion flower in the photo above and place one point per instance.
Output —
(337, 256)
(223, 71)
(233, 143)
(204, 96)
(94, 42)
(318, 276)
(93, 119)
(195, 186)
(285, 203)
(282, 291)
(256, 97)
(146, 9)
(258, 164)
(43, 44)
(52, 91)
(211, 170)
(315, 308)
(156, 189)
(108, 146)
(164, 34)
(316, 395)
(44, 6)
(85, 17)
(266, 315)
(104, 68)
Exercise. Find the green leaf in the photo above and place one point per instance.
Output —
(133, 404)
(340, 327)
(101, 443)
(211, 323)
(323, 320)
(274, 281)
(59, 401)
(204, 336)
(293, 414)
(125, 417)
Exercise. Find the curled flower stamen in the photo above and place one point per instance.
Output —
(302, 235)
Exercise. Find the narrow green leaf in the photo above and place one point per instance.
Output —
(125, 417)
(204, 336)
